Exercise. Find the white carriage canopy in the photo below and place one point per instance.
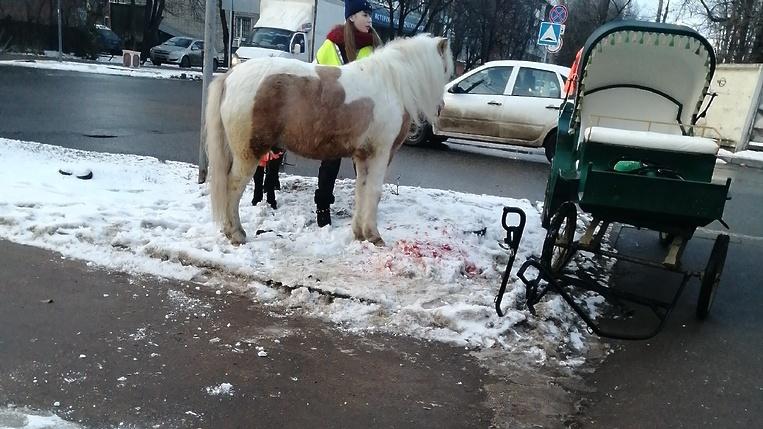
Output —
(632, 73)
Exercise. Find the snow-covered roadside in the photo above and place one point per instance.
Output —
(435, 279)
(749, 158)
(108, 67)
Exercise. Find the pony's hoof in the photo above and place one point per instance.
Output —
(377, 241)
(237, 237)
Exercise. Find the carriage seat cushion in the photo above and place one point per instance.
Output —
(650, 140)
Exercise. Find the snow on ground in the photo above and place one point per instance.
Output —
(22, 418)
(224, 389)
(106, 65)
(435, 279)
(750, 155)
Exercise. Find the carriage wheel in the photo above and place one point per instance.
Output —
(557, 247)
(712, 276)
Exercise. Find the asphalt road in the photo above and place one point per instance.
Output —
(692, 375)
(161, 118)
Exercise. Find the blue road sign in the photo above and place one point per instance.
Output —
(550, 34)
(558, 14)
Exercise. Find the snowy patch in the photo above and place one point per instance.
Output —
(23, 418)
(225, 389)
(435, 279)
(749, 155)
(108, 68)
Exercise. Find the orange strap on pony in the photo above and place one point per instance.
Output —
(269, 157)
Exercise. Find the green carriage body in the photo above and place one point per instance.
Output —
(639, 93)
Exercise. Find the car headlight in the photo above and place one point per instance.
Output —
(235, 60)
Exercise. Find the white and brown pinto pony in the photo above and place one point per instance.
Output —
(360, 110)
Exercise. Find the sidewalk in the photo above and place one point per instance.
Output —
(104, 65)
(114, 350)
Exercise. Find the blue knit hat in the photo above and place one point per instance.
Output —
(351, 7)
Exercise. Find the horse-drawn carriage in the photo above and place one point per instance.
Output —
(630, 152)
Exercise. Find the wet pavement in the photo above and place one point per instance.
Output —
(113, 349)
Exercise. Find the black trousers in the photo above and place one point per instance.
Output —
(327, 174)
(271, 182)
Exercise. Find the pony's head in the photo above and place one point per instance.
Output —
(417, 68)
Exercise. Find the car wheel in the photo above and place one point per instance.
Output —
(156, 63)
(417, 135)
(549, 144)
(421, 135)
(185, 62)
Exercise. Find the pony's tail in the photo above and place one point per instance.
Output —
(218, 152)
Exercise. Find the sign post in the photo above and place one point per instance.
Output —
(551, 31)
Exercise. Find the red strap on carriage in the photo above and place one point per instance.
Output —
(572, 81)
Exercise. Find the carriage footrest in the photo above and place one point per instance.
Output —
(539, 281)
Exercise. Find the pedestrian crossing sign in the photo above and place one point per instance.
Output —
(550, 34)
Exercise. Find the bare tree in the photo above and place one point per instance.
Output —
(226, 33)
(735, 25)
(154, 13)
(198, 10)
(585, 17)
(429, 14)
(485, 30)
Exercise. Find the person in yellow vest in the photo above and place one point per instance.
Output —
(353, 40)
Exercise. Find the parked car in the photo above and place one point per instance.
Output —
(183, 51)
(505, 102)
(107, 40)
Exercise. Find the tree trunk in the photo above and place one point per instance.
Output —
(226, 34)
(131, 28)
(665, 13)
(757, 43)
(659, 11)
(152, 18)
(603, 11)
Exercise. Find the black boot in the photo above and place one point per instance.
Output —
(259, 173)
(324, 195)
(323, 217)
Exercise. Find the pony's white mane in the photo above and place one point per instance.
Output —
(413, 69)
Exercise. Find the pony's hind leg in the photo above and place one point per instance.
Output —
(240, 172)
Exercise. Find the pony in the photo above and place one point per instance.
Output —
(361, 110)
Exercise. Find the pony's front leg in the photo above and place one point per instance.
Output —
(240, 174)
(371, 194)
(361, 172)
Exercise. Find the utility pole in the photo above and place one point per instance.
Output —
(210, 28)
(60, 43)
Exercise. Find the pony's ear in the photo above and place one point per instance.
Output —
(442, 46)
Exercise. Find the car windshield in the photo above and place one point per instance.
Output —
(489, 81)
(269, 38)
(179, 41)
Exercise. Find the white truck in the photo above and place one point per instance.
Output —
(291, 29)
(737, 111)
